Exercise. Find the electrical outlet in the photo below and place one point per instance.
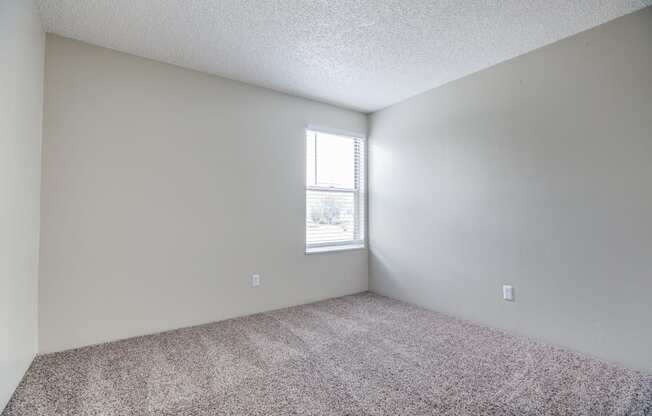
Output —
(255, 280)
(508, 293)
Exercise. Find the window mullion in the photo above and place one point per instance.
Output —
(333, 190)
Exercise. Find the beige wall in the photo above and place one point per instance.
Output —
(164, 189)
(537, 173)
(22, 51)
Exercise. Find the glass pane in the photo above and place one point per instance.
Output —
(329, 216)
(335, 161)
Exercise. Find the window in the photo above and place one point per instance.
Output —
(335, 191)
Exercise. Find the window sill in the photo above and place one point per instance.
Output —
(332, 249)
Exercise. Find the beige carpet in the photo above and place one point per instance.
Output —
(356, 355)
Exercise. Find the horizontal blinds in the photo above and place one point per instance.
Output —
(335, 191)
(359, 159)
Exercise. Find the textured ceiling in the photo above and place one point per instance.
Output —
(364, 54)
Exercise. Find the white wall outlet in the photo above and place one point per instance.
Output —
(255, 280)
(508, 293)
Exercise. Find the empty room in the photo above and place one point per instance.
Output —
(326, 207)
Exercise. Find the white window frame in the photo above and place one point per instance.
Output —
(359, 191)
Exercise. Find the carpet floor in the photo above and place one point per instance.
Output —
(356, 355)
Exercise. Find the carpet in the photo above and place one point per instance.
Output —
(356, 355)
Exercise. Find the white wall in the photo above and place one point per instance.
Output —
(536, 172)
(22, 45)
(164, 189)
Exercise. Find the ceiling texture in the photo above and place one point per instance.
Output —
(359, 54)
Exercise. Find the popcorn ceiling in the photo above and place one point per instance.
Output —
(364, 55)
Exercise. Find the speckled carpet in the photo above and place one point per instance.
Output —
(356, 355)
